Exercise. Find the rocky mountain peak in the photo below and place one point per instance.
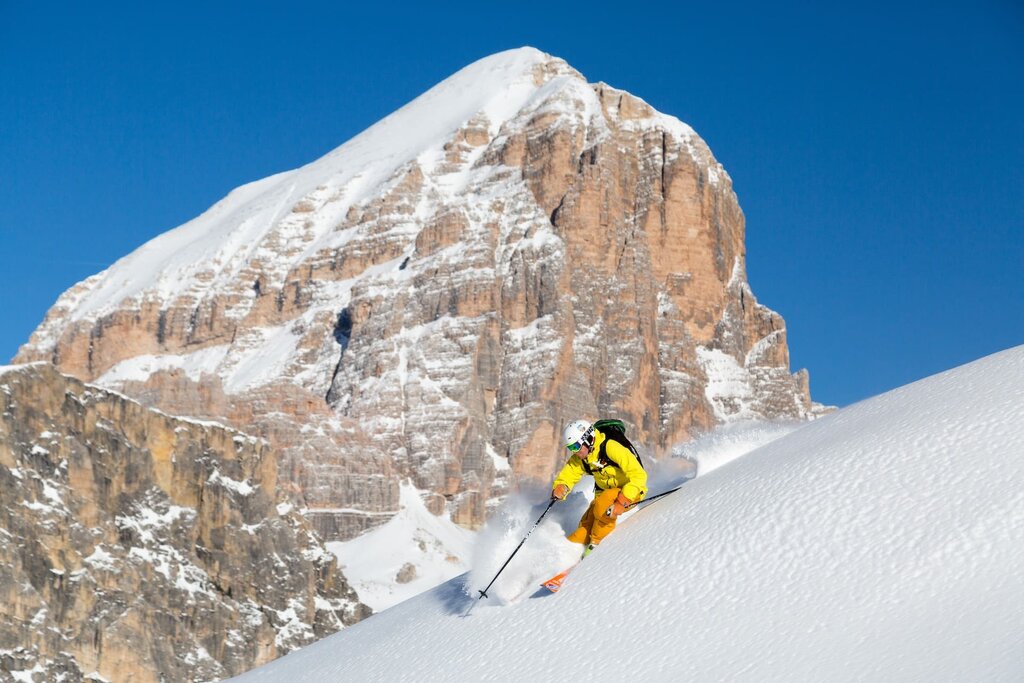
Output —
(276, 222)
(431, 300)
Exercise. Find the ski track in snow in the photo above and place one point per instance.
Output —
(883, 542)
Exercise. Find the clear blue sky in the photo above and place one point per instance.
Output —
(877, 151)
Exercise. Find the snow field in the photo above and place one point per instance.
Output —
(433, 546)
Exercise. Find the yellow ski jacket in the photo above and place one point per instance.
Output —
(619, 470)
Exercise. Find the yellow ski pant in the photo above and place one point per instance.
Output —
(594, 525)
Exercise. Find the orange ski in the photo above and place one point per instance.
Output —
(555, 582)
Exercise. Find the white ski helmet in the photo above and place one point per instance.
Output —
(577, 434)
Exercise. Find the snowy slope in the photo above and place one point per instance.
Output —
(884, 542)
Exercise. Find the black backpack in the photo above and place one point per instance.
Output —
(613, 430)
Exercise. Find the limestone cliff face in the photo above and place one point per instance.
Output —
(140, 547)
(513, 249)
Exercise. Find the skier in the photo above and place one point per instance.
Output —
(619, 478)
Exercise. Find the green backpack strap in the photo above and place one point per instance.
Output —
(615, 430)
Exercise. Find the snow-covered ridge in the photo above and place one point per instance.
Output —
(882, 542)
(282, 219)
(101, 389)
(21, 366)
(229, 234)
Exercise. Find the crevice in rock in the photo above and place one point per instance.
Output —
(342, 335)
(161, 328)
(554, 214)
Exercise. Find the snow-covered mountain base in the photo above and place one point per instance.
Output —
(413, 552)
(883, 542)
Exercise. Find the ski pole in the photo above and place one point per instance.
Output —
(608, 512)
(483, 593)
(647, 500)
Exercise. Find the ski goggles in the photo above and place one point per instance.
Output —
(575, 447)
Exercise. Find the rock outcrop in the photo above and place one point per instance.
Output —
(135, 546)
(513, 249)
